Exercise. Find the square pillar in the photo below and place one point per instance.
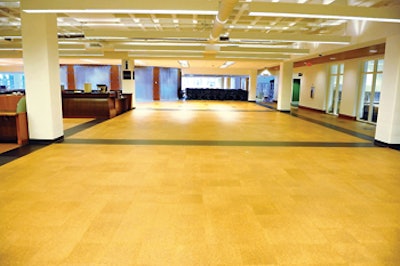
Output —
(285, 86)
(388, 124)
(42, 76)
(128, 79)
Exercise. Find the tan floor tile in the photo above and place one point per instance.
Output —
(181, 204)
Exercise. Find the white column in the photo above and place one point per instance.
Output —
(285, 86)
(42, 76)
(252, 86)
(128, 79)
(388, 124)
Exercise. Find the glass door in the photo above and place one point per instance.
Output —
(335, 89)
(370, 90)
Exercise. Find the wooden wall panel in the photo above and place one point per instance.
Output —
(156, 84)
(115, 78)
(71, 77)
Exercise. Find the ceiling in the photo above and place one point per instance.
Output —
(206, 33)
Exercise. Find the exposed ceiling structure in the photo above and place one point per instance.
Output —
(206, 33)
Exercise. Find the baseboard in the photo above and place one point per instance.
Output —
(347, 117)
(388, 145)
(311, 109)
(46, 141)
(284, 111)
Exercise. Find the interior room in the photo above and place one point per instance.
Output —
(217, 132)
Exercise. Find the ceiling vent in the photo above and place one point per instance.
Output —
(94, 45)
(71, 36)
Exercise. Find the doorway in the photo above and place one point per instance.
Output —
(295, 92)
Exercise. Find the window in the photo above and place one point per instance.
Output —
(370, 90)
(12, 81)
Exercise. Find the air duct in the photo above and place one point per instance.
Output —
(225, 10)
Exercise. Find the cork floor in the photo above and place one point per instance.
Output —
(202, 183)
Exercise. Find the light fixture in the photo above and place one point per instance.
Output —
(124, 11)
(325, 12)
(227, 64)
(183, 63)
(265, 72)
(299, 15)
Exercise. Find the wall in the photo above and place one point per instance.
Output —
(11, 69)
(313, 76)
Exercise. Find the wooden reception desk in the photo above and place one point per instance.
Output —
(96, 105)
(13, 119)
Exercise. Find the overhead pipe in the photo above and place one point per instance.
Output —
(225, 10)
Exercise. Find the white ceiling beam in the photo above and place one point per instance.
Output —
(383, 14)
(120, 6)
(158, 48)
(286, 37)
(266, 50)
(146, 34)
(252, 55)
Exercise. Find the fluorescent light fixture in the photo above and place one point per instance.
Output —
(301, 15)
(109, 25)
(183, 63)
(72, 49)
(164, 44)
(94, 20)
(124, 11)
(139, 62)
(10, 49)
(227, 64)
(158, 55)
(80, 54)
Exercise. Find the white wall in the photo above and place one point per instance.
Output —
(313, 76)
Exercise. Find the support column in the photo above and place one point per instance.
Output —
(285, 86)
(42, 76)
(388, 124)
(252, 86)
(128, 79)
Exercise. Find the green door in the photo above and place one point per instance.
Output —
(296, 92)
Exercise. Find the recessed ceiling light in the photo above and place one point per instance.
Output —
(183, 63)
(373, 51)
(227, 64)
